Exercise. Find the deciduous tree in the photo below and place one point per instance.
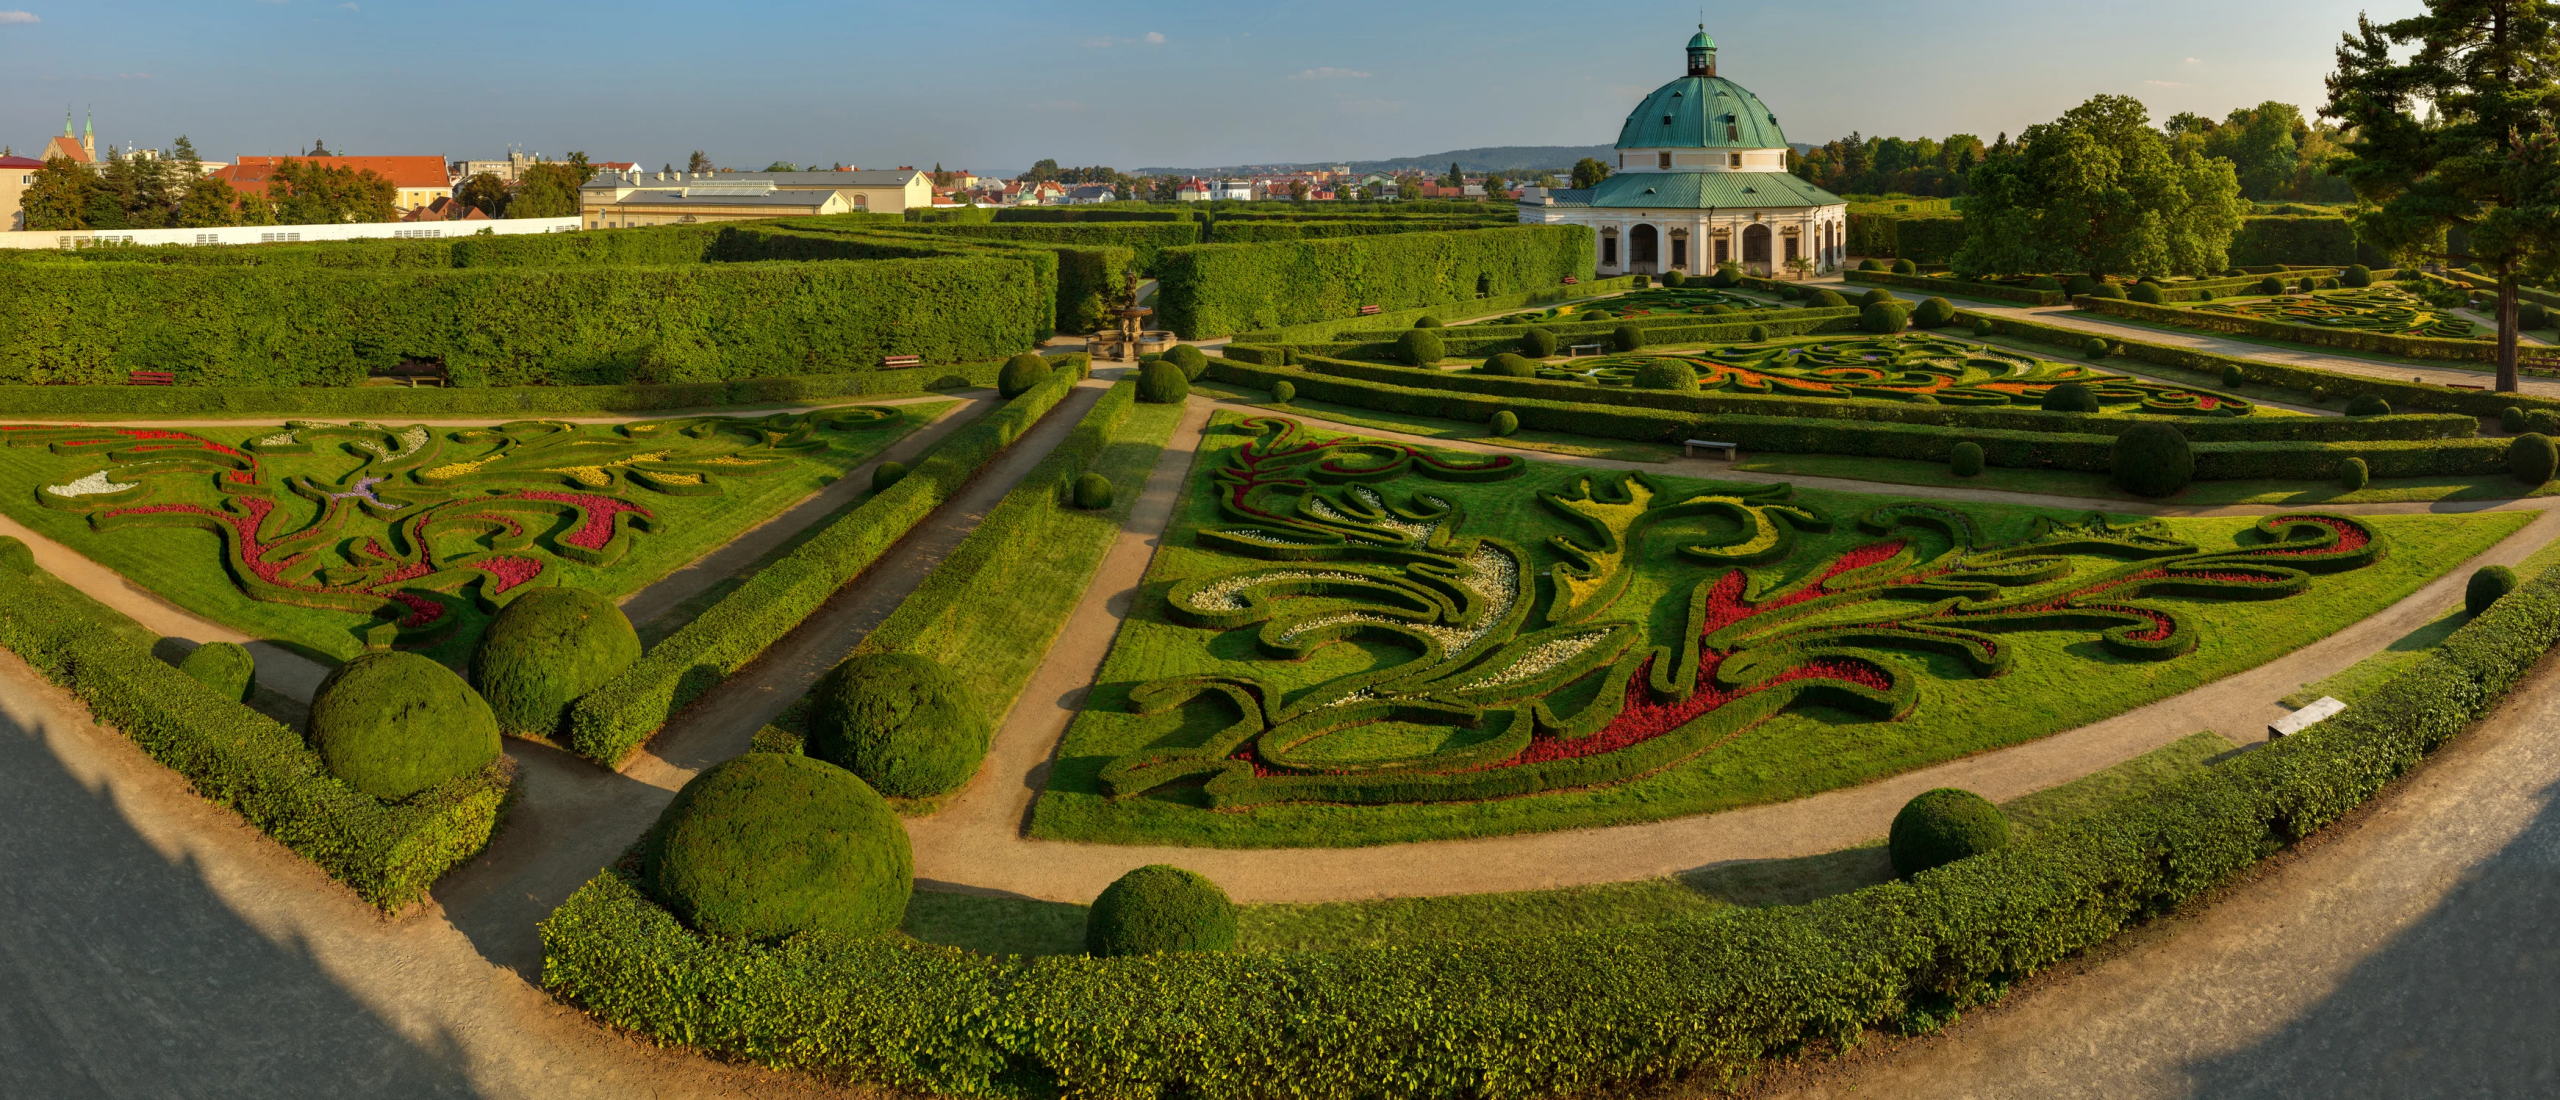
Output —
(485, 193)
(546, 191)
(2099, 190)
(59, 197)
(1588, 172)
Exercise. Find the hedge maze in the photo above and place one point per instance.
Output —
(1909, 367)
(2386, 310)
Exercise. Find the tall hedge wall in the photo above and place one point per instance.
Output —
(115, 401)
(2281, 239)
(1218, 289)
(1148, 239)
(1931, 239)
(1697, 1001)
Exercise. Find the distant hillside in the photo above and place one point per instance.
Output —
(1496, 158)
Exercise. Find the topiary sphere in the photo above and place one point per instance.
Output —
(1283, 392)
(2148, 294)
(2078, 285)
(1934, 313)
(887, 474)
(1537, 343)
(1504, 422)
(1942, 826)
(769, 844)
(2044, 282)
(2488, 583)
(1420, 347)
(1824, 298)
(1508, 365)
(2357, 275)
(1883, 317)
(2094, 347)
(2232, 376)
(907, 725)
(1876, 296)
(2152, 460)
(2531, 458)
(1426, 321)
(226, 667)
(2270, 285)
(2107, 290)
(1905, 267)
(1675, 279)
(1093, 491)
(393, 724)
(2368, 404)
(1759, 334)
(2353, 473)
(1870, 265)
(1159, 908)
(16, 558)
(2511, 420)
(1982, 326)
(1626, 338)
(1020, 373)
(1965, 460)
(1193, 361)
(2307, 284)
(1162, 383)
(544, 650)
(1666, 374)
(2071, 397)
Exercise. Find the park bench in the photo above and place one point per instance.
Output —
(1577, 351)
(1368, 311)
(2321, 709)
(1690, 447)
(895, 362)
(150, 378)
(1571, 281)
(2463, 386)
(411, 372)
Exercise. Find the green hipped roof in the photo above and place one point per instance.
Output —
(1699, 191)
(1693, 113)
(1701, 41)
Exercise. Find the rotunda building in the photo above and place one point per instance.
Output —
(1701, 180)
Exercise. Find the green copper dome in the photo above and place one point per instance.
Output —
(1701, 112)
(1700, 41)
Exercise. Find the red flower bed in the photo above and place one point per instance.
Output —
(600, 510)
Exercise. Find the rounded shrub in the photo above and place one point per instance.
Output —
(2152, 460)
(1626, 338)
(2532, 315)
(1675, 279)
(1283, 392)
(1726, 277)
(393, 724)
(1905, 267)
(1878, 295)
(1643, 281)
(2357, 275)
(2270, 285)
(1503, 422)
(2204, 295)
(2148, 294)
(1193, 361)
(1883, 317)
(2070, 397)
(1982, 326)
(1721, 311)
(1666, 374)
(769, 844)
(904, 723)
(226, 667)
(1508, 365)
(1538, 343)
(1162, 383)
(544, 650)
(16, 558)
(1426, 321)
(1759, 334)
(1942, 826)
(2368, 404)
(1093, 491)
(2353, 474)
(2487, 584)
(1420, 347)
(1965, 460)
(1159, 908)
(2232, 376)
(1020, 373)
(2078, 285)
(1825, 298)
(887, 474)
(2094, 347)
(1791, 292)
(2511, 420)
(2044, 282)
(1870, 264)
(2531, 458)
(2107, 290)
(2307, 284)
(1934, 313)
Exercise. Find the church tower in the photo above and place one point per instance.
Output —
(88, 135)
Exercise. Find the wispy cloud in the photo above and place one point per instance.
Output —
(2195, 61)
(349, 7)
(1151, 38)
(1327, 73)
(1370, 106)
(2166, 83)
(8, 18)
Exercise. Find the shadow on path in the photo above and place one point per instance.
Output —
(123, 973)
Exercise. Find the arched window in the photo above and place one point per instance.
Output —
(1644, 249)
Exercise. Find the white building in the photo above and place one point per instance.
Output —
(1701, 180)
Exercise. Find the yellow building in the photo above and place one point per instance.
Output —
(612, 201)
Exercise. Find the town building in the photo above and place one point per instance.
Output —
(416, 181)
(879, 190)
(82, 149)
(1701, 180)
(446, 210)
(1083, 194)
(1193, 189)
(630, 200)
(509, 170)
(16, 174)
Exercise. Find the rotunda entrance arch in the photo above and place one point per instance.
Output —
(1755, 249)
(1644, 250)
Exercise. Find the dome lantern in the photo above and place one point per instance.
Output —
(1702, 53)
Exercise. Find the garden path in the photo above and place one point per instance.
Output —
(976, 842)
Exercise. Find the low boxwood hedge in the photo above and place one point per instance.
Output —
(1693, 1000)
(388, 853)
(2414, 347)
(610, 722)
(226, 667)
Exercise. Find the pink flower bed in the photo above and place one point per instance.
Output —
(599, 510)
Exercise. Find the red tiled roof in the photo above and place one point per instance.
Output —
(409, 172)
(20, 162)
(65, 147)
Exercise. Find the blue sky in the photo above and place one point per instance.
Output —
(995, 84)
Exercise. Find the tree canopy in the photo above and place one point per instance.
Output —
(2099, 190)
(1588, 172)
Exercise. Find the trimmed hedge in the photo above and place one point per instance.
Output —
(903, 723)
(1160, 908)
(546, 648)
(393, 724)
(1093, 491)
(1939, 827)
(1218, 289)
(16, 557)
(235, 757)
(225, 667)
(1020, 373)
(2414, 347)
(1698, 999)
(610, 722)
(1162, 383)
(1951, 285)
(2488, 585)
(768, 845)
(1321, 331)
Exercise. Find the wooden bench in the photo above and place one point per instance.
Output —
(1368, 311)
(896, 362)
(1571, 281)
(2320, 710)
(2463, 386)
(150, 378)
(412, 371)
(1577, 351)
(1689, 447)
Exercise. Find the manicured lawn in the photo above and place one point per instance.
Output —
(2060, 679)
(2098, 487)
(187, 567)
(2349, 685)
(1021, 926)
